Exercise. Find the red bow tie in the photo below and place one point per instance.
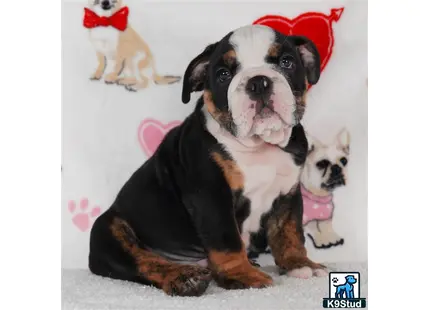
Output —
(117, 20)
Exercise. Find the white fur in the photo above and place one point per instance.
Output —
(343, 138)
(251, 44)
(307, 272)
(302, 273)
(268, 172)
(319, 273)
(104, 39)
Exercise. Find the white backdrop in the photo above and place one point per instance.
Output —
(102, 146)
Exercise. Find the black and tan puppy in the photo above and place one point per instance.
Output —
(187, 215)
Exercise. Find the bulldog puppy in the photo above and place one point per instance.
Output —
(187, 214)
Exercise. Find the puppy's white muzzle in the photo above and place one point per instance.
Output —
(272, 125)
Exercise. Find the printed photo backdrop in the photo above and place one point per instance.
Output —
(115, 116)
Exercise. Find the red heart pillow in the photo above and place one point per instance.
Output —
(316, 26)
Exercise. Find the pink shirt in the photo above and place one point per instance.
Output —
(316, 207)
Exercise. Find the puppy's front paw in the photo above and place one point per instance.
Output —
(325, 240)
(334, 239)
(302, 273)
(187, 281)
(111, 78)
(319, 273)
(96, 76)
(252, 278)
(127, 81)
(307, 272)
(303, 268)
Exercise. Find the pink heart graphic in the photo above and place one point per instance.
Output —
(82, 221)
(151, 132)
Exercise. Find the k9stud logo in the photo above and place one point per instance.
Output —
(344, 291)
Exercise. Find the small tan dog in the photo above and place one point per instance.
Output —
(325, 170)
(126, 48)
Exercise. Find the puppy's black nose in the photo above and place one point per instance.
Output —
(259, 85)
(105, 4)
(336, 170)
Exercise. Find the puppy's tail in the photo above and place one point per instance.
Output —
(163, 79)
(166, 79)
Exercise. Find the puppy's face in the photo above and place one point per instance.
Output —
(105, 7)
(326, 165)
(254, 81)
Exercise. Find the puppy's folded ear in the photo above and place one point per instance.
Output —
(310, 58)
(195, 75)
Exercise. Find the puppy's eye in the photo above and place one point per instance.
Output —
(343, 161)
(223, 75)
(322, 164)
(287, 62)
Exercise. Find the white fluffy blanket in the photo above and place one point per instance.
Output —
(83, 291)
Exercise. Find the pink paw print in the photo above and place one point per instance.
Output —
(81, 218)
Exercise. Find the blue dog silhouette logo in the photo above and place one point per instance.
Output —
(345, 290)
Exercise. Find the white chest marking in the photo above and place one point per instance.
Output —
(105, 40)
(268, 172)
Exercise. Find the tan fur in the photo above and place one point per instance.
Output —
(229, 57)
(274, 50)
(234, 269)
(284, 241)
(231, 171)
(170, 277)
(224, 118)
(129, 44)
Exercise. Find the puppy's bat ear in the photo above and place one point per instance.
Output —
(343, 139)
(313, 142)
(310, 58)
(196, 73)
